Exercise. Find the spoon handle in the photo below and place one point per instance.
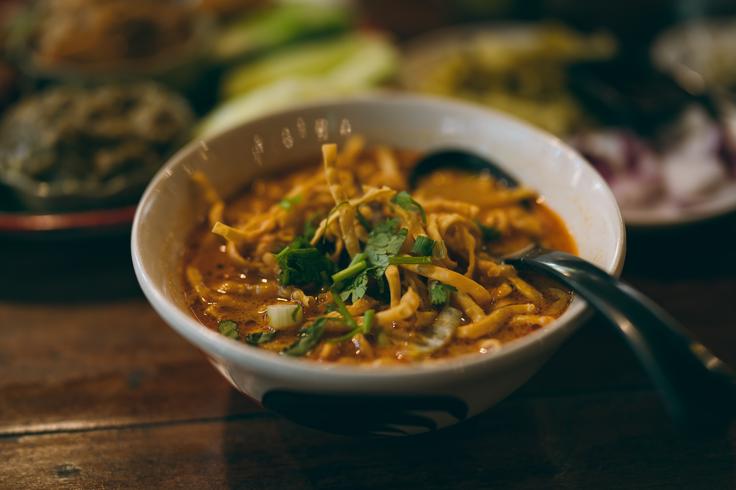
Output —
(696, 386)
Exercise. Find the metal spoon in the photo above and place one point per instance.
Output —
(697, 388)
(458, 160)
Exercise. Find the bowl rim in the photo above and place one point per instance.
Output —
(336, 375)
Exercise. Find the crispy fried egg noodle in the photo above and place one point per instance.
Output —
(368, 272)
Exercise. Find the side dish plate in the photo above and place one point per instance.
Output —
(66, 225)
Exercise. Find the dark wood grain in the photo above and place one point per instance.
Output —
(120, 355)
(97, 392)
(134, 370)
(590, 441)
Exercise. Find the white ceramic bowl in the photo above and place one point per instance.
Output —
(355, 399)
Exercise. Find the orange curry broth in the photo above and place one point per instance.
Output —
(207, 252)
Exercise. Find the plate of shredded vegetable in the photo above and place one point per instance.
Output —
(663, 138)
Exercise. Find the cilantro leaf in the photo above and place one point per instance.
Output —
(308, 338)
(355, 288)
(353, 280)
(301, 264)
(439, 293)
(229, 328)
(387, 227)
(405, 200)
(258, 338)
(384, 241)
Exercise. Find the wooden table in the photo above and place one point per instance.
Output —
(97, 392)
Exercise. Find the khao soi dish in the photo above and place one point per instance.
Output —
(341, 263)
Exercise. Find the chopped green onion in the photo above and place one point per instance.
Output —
(343, 337)
(365, 328)
(308, 338)
(283, 316)
(406, 259)
(228, 328)
(298, 314)
(289, 202)
(258, 338)
(423, 246)
(349, 271)
(358, 258)
(368, 317)
(342, 309)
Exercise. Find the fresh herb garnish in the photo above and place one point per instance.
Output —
(368, 317)
(489, 233)
(365, 328)
(384, 241)
(301, 264)
(228, 328)
(355, 288)
(308, 338)
(407, 259)
(423, 245)
(289, 202)
(343, 310)
(297, 313)
(405, 200)
(439, 293)
(258, 338)
(341, 338)
(358, 264)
